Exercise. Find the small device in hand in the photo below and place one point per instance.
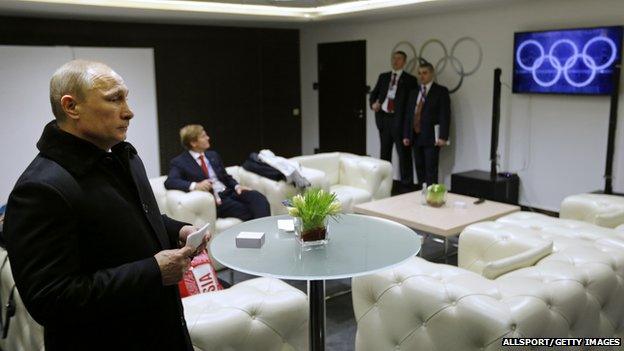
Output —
(479, 201)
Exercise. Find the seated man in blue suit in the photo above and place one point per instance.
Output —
(199, 169)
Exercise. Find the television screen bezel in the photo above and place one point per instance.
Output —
(513, 73)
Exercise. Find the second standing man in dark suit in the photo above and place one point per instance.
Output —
(202, 169)
(427, 106)
(388, 100)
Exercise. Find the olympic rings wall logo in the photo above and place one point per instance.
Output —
(562, 65)
(448, 59)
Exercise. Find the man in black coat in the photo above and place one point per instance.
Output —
(95, 262)
(200, 169)
(428, 109)
(388, 100)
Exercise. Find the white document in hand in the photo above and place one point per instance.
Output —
(195, 239)
(436, 131)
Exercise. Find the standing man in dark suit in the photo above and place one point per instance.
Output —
(200, 169)
(427, 106)
(388, 100)
(94, 261)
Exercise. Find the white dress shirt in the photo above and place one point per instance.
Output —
(217, 186)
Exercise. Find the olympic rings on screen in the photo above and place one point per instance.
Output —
(561, 65)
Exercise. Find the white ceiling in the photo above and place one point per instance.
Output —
(274, 13)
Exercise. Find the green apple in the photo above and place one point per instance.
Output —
(436, 195)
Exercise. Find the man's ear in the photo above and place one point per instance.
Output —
(70, 106)
(193, 144)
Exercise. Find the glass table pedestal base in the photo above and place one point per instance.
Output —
(316, 324)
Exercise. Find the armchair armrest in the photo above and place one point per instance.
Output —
(195, 207)
(492, 248)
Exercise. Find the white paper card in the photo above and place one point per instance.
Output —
(436, 131)
(287, 225)
(195, 238)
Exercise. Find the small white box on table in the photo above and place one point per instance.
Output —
(250, 240)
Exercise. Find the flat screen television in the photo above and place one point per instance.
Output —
(568, 61)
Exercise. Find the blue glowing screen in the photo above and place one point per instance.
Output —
(572, 61)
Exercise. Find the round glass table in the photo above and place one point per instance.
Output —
(358, 245)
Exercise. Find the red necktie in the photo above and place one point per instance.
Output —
(391, 100)
(203, 166)
(419, 107)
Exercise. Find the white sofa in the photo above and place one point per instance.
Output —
(278, 191)
(354, 179)
(575, 290)
(258, 314)
(195, 207)
(600, 209)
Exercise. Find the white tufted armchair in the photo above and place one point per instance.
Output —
(354, 179)
(195, 207)
(549, 278)
(600, 209)
(278, 191)
(24, 334)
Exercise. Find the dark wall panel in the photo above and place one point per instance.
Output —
(241, 84)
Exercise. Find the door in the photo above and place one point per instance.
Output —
(342, 96)
(281, 116)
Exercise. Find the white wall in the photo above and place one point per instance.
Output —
(24, 96)
(557, 144)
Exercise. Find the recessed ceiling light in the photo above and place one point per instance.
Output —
(307, 13)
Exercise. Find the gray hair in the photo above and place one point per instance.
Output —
(73, 78)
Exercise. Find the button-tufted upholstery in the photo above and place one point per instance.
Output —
(577, 290)
(195, 207)
(278, 191)
(24, 333)
(258, 314)
(355, 179)
(600, 209)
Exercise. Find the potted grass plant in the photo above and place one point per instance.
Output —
(311, 212)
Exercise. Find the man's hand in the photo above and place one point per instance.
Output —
(188, 230)
(406, 142)
(440, 142)
(240, 188)
(376, 106)
(204, 185)
(173, 264)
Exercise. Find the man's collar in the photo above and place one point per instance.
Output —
(76, 155)
(398, 72)
(195, 154)
(428, 85)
